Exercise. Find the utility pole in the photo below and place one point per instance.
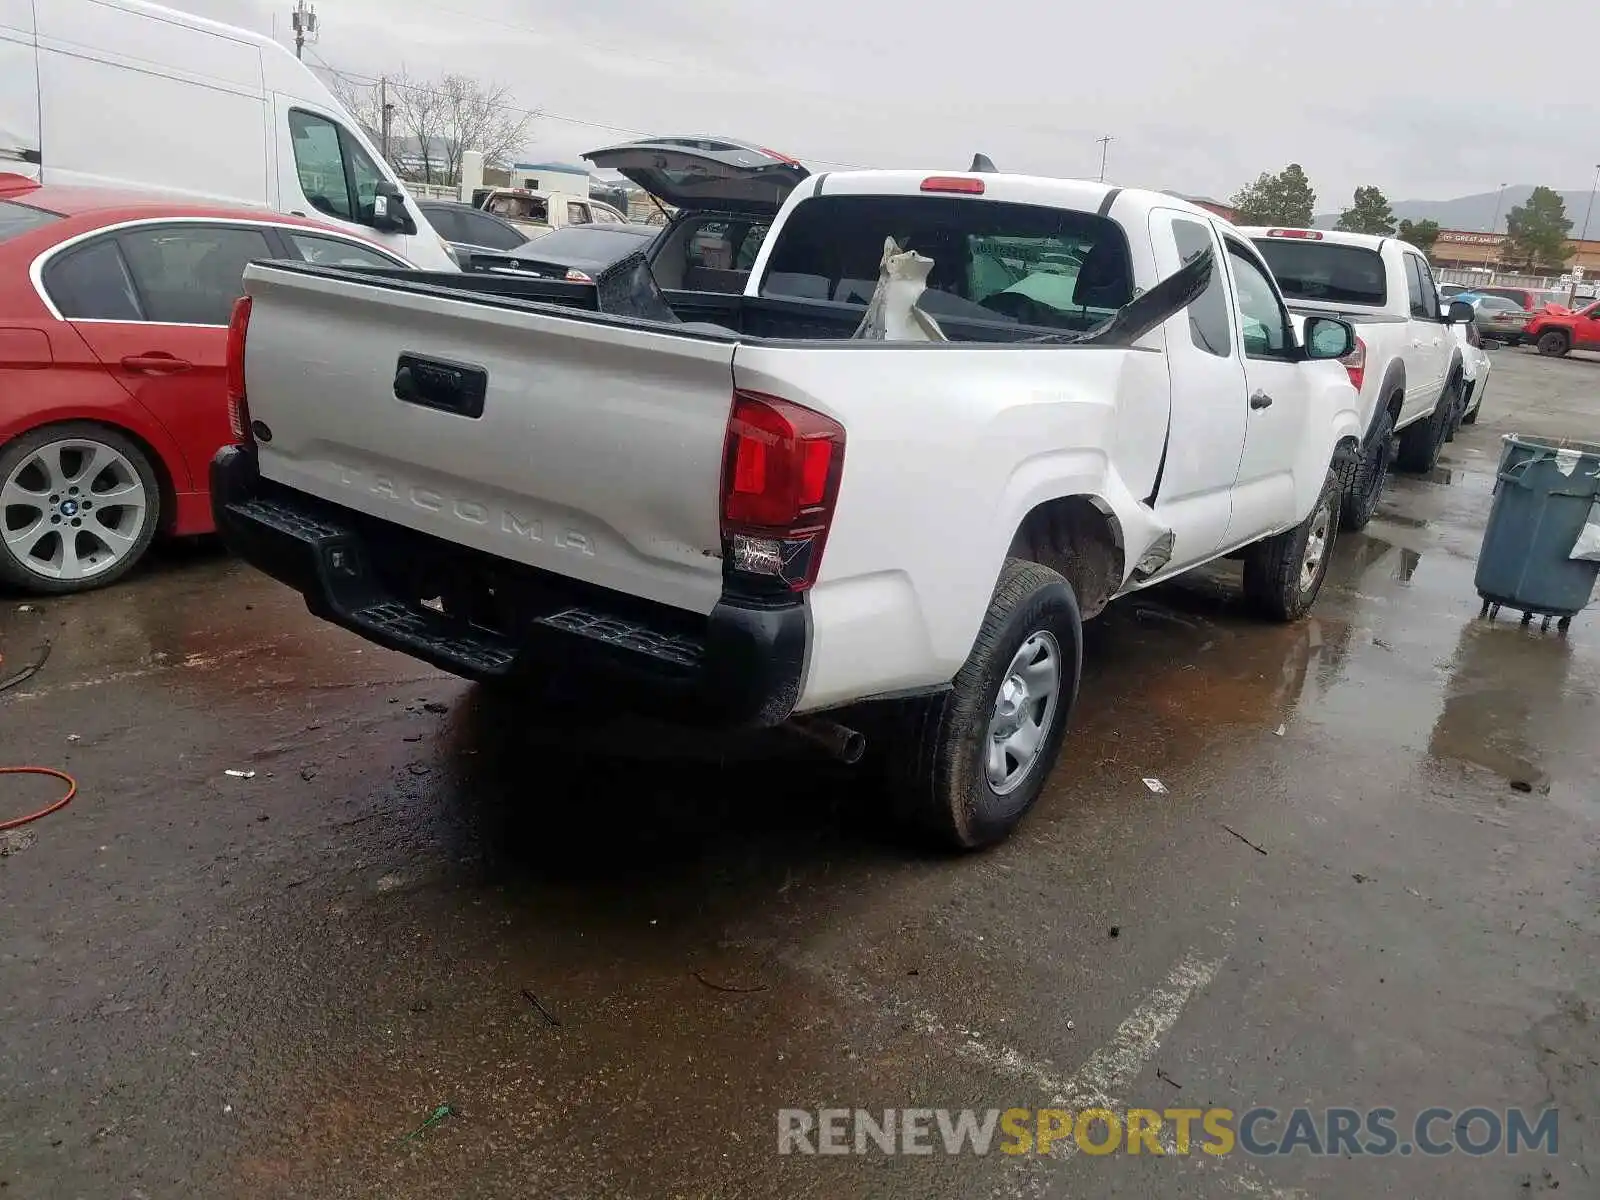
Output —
(305, 24)
(1572, 294)
(385, 113)
(1494, 226)
(1105, 145)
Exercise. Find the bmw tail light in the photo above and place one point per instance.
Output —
(780, 479)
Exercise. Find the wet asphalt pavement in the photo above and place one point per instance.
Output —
(616, 952)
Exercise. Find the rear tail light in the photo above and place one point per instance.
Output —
(780, 477)
(1355, 364)
(1310, 235)
(959, 184)
(238, 407)
(576, 276)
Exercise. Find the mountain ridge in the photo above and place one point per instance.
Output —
(1475, 213)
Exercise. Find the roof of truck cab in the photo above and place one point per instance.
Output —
(1334, 237)
(1085, 195)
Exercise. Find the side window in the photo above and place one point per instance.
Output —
(750, 247)
(1419, 306)
(336, 252)
(486, 231)
(1430, 289)
(577, 214)
(713, 245)
(91, 283)
(447, 223)
(365, 174)
(1266, 322)
(320, 163)
(191, 274)
(1208, 315)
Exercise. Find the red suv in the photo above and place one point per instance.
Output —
(1532, 299)
(114, 311)
(1556, 333)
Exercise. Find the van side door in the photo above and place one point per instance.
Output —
(1205, 431)
(19, 90)
(325, 172)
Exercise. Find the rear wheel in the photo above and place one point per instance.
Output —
(966, 766)
(79, 505)
(1554, 344)
(1283, 574)
(1365, 477)
(1422, 440)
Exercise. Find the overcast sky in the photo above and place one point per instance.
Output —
(1424, 98)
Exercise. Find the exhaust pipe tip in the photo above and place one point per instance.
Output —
(837, 741)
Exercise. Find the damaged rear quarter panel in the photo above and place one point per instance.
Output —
(948, 447)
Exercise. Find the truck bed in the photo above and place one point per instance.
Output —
(747, 318)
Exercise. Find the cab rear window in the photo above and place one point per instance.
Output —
(18, 219)
(1326, 271)
(993, 261)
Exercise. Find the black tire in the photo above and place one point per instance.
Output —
(1471, 417)
(1421, 441)
(936, 759)
(1365, 476)
(1274, 570)
(14, 568)
(1554, 343)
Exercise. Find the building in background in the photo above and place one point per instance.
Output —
(1465, 250)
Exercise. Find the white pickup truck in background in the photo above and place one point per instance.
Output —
(740, 513)
(1408, 362)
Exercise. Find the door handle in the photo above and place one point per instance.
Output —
(1260, 400)
(156, 363)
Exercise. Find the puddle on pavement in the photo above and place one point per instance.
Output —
(1509, 695)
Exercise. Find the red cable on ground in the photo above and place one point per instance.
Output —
(72, 790)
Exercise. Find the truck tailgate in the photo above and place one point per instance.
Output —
(596, 453)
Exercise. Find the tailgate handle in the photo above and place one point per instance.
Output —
(437, 383)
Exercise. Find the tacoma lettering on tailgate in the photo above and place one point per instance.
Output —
(463, 508)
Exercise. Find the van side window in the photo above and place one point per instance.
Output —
(1208, 315)
(320, 164)
(338, 177)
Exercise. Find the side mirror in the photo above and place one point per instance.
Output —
(389, 213)
(1328, 337)
(1460, 313)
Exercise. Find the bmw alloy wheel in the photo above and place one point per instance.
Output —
(73, 509)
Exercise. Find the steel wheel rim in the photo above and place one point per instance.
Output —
(72, 509)
(1024, 710)
(1316, 547)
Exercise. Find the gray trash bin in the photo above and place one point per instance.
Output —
(1543, 493)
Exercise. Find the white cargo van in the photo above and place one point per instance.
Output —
(123, 93)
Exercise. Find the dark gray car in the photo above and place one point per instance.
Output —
(576, 253)
(470, 231)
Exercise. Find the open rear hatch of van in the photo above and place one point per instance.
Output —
(696, 173)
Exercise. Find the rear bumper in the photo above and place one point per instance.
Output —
(742, 665)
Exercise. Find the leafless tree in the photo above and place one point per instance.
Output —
(478, 117)
(432, 122)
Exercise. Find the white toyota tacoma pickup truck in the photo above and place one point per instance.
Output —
(1407, 363)
(737, 512)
